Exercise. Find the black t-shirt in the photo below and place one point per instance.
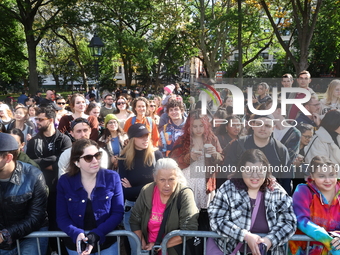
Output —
(138, 176)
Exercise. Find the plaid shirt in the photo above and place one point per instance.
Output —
(230, 212)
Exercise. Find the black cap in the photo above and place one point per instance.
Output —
(8, 143)
(137, 130)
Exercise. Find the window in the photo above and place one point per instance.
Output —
(265, 55)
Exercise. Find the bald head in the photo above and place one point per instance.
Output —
(49, 94)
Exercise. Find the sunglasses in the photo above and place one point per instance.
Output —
(40, 119)
(152, 105)
(119, 103)
(61, 103)
(89, 158)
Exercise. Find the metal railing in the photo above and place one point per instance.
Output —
(60, 234)
(210, 234)
(163, 246)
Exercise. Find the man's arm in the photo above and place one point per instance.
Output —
(35, 212)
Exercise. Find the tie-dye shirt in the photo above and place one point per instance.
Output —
(315, 217)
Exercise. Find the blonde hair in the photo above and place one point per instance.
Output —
(129, 153)
(330, 90)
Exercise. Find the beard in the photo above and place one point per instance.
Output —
(42, 129)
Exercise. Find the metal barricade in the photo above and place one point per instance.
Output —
(59, 234)
(210, 234)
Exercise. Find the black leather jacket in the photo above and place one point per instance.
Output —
(23, 202)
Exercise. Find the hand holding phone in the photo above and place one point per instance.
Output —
(82, 246)
(263, 248)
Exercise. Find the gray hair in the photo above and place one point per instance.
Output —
(170, 164)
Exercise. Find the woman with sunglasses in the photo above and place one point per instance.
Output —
(122, 111)
(61, 102)
(89, 199)
(316, 205)
(78, 106)
(113, 139)
(248, 203)
(136, 165)
(152, 111)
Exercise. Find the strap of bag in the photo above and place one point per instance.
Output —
(253, 217)
(165, 217)
(162, 228)
(149, 120)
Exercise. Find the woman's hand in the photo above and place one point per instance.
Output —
(253, 242)
(28, 137)
(81, 237)
(336, 243)
(114, 161)
(267, 242)
(126, 183)
(195, 155)
(149, 246)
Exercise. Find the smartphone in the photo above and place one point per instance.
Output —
(263, 248)
(81, 246)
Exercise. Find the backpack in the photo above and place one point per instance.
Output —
(133, 121)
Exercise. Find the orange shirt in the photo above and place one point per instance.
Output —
(154, 131)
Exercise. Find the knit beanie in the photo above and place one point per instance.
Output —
(169, 88)
(110, 117)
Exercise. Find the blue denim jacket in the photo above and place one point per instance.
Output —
(107, 202)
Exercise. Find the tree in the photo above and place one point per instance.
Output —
(36, 17)
(12, 56)
(325, 47)
(302, 16)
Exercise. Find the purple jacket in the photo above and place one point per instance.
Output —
(107, 202)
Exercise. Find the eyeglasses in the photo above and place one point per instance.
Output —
(258, 173)
(307, 136)
(61, 103)
(119, 103)
(89, 158)
(152, 105)
(40, 119)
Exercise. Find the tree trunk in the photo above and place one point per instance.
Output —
(32, 63)
(239, 44)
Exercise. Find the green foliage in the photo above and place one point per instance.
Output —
(12, 51)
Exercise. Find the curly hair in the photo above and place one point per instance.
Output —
(134, 104)
(187, 129)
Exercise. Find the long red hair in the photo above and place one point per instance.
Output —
(208, 135)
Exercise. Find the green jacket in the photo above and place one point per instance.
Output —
(26, 159)
(185, 220)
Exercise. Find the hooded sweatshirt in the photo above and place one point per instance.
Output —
(315, 217)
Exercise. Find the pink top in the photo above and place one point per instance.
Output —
(156, 216)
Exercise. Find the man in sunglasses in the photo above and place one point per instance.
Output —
(80, 128)
(45, 149)
(23, 196)
(108, 107)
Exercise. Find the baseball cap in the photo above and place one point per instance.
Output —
(137, 130)
(8, 143)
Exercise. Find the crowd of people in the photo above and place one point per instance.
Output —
(90, 163)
